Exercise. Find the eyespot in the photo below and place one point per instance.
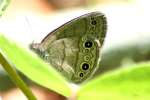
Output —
(85, 50)
(81, 74)
(88, 44)
(85, 66)
(87, 58)
(93, 22)
(84, 38)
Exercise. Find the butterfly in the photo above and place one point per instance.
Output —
(74, 48)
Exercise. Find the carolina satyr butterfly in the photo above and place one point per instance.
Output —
(74, 48)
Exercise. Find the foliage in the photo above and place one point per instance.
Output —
(129, 83)
(3, 6)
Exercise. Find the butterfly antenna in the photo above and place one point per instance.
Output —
(30, 28)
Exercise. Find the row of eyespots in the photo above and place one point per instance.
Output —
(88, 44)
(93, 21)
(85, 66)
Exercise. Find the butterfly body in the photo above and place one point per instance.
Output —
(74, 48)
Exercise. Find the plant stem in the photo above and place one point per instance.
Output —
(15, 77)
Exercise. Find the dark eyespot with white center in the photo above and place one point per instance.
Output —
(88, 44)
(85, 66)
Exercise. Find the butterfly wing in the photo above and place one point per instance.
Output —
(74, 48)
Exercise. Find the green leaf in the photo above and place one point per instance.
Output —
(130, 83)
(3, 6)
(8, 67)
(33, 67)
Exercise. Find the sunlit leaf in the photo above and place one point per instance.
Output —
(131, 83)
(33, 67)
(3, 6)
